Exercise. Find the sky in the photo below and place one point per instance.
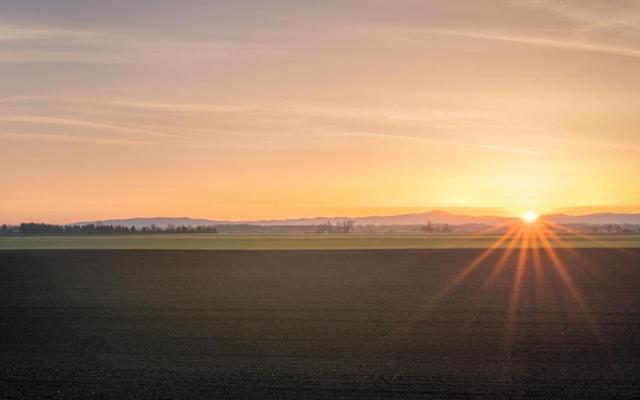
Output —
(277, 109)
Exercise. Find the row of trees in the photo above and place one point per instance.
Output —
(435, 228)
(613, 228)
(92, 229)
(339, 227)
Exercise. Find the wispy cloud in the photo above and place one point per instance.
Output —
(48, 44)
(73, 139)
(582, 142)
(508, 149)
(421, 125)
(88, 124)
(483, 146)
(533, 40)
(594, 13)
(24, 32)
(274, 109)
(53, 44)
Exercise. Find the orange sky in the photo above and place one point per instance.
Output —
(287, 109)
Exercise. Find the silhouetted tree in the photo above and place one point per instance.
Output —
(339, 227)
(428, 228)
(346, 226)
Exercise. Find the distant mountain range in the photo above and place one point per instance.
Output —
(601, 218)
(435, 217)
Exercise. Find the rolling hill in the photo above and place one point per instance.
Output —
(435, 217)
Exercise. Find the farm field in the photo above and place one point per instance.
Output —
(294, 242)
(368, 324)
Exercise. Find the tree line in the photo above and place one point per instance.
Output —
(435, 228)
(99, 229)
(606, 228)
(338, 227)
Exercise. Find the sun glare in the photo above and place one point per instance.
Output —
(521, 248)
(529, 217)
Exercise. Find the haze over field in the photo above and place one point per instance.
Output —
(436, 217)
(237, 110)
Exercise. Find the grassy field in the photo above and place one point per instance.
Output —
(348, 324)
(292, 242)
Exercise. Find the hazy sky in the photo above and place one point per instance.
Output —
(270, 109)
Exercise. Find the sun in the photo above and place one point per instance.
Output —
(529, 217)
